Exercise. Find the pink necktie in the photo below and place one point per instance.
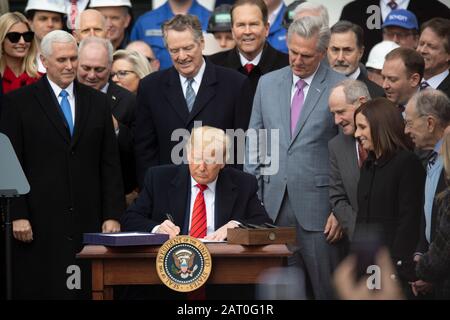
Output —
(73, 12)
(297, 104)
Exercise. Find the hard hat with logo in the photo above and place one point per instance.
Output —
(110, 3)
(46, 5)
(220, 20)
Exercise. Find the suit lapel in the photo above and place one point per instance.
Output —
(48, 102)
(316, 89)
(350, 158)
(233, 60)
(82, 104)
(178, 193)
(114, 98)
(225, 197)
(206, 91)
(174, 94)
(284, 87)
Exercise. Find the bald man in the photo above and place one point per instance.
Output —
(142, 47)
(90, 23)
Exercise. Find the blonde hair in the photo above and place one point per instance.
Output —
(210, 138)
(29, 64)
(139, 62)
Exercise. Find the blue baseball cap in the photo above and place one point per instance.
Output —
(401, 18)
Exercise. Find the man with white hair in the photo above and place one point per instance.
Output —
(88, 24)
(95, 56)
(293, 101)
(118, 18)
(308, 9)
(63, 135)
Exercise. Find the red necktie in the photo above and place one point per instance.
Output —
(392, 4)
(362, 154)
(249, 67)
(73, 12)
(198, 220)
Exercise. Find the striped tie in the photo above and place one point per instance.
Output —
(198, 222)
(190, 94)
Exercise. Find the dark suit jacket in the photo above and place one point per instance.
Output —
(356, 12)
(167, 190)
(123, 107)
(423, 244)
(271, 59)
(374, 89)
(445, 86)
(75, 182)
(344, 176)
(223, 101)
(390, 202)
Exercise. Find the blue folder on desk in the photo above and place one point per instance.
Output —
(125, 238)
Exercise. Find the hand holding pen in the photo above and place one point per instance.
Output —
(169, 227)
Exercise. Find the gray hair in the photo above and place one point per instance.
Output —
(353, 90)
(308, 27)
(100, 41)
(139, 62)
(308, 7)
(182, 22)
(210, 138)
(431, 102)
(52, 37)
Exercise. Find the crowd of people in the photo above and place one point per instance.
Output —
(118, 121)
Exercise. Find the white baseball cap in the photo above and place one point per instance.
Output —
(378, 53)
(46, 5)
(110, 3)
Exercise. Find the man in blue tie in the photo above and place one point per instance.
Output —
(63, 135)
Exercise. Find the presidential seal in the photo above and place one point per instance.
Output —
(183, 263)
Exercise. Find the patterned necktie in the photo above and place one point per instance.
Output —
(297, 104)
(392, 4)
(362, 154)
(73, 12)
(424, 85)
(65, 107)
(198, 220)
(432, 159)
(190, 94)
(249, 67)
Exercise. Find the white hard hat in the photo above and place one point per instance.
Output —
(46, 5)
(378, 53)
(110, 3)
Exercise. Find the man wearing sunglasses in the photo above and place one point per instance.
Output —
(44, 16)
(63, 135)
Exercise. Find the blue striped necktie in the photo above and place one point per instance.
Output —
(190, 94)
(65, 107)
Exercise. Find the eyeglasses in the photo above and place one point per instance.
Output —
(121, 73)
(409, 123)
(399, 35)
(14, 37)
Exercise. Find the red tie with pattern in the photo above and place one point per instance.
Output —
(198, 220)
(73, 12)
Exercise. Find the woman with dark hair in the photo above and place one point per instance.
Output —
(391, 185)
(434, 266)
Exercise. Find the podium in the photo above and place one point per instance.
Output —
(13, 183)
(231, 264)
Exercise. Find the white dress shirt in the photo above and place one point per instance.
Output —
(355, 74)
(197, 80)
(385, 9)
(255, 61)
(308, 81)
(57, 90)
(436, 80)
(209, 194)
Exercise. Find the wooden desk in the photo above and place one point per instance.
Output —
(231, 264)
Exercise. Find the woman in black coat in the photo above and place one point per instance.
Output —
(391, 185)
(434, 266)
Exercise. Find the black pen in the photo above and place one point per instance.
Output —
(169, 216)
